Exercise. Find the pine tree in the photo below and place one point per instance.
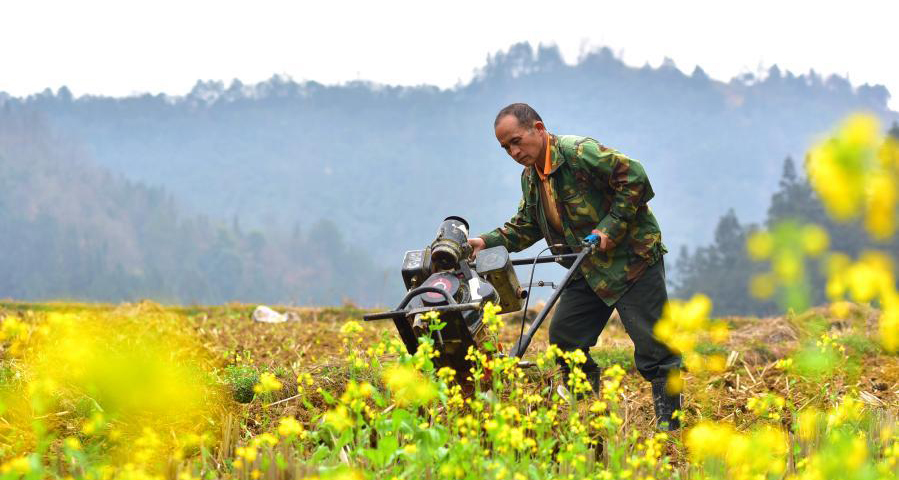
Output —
(722, 271)
(795, 200)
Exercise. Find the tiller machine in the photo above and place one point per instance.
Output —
(440, 278)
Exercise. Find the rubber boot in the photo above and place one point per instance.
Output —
(665, 406)
(593, 378)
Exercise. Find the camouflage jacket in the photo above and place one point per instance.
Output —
(594, 187)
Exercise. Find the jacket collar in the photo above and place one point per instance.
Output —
(556, 158)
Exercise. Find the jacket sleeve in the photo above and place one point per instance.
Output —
(625, 177)
(520, 232)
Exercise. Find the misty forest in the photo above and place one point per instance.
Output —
(301, 193)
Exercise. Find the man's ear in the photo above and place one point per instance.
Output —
(540, 126)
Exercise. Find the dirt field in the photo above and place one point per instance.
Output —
(313, 344)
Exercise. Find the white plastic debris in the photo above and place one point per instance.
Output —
(563, 392)
(267, 315)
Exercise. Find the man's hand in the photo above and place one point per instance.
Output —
(477, 244)
(601, 238)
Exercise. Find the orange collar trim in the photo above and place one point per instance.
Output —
(547, 161)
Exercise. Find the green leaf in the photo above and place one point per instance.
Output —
(403, 421)
(320, 454)
(329, 399)
(388, 447)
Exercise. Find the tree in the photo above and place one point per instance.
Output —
(794, 199)
(722, 271)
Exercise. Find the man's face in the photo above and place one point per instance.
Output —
(524, 145)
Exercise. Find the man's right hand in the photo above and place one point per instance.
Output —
(477, 244)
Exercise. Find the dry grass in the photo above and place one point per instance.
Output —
(313, 345)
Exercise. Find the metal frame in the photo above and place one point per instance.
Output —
(398, 314)
(525, 341)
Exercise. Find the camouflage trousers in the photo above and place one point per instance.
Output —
(581, 315)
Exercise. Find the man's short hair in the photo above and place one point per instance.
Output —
(523, 112)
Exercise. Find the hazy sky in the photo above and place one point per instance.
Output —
(119, 47)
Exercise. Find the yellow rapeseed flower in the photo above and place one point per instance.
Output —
(836, 263)
(814, 240)
(859, 130)
(784, 364)
(871, 276)
(708, 439)
(857, 170)
(767, 406)
(840, 309)
(446, 374)
(339, 418)
(787, 265)
(675, 383)
(809, 420)
(305, 379)
(72, 443)
(491, 318)
(763, 285)
(888, 154)
(598, 406)
(716, 363)
(265, 438)
(888, 327)
(11, 327)
(758, 454)
(837, 187)
(857, 453)
(880, 211)
(409, 386)
(267, 383)
(838, 167)
(146, 371)
(759, 245)
(17, 466)
(719, 331)
(682, 321)
(350, 328)
(849, 410)
(95, 423)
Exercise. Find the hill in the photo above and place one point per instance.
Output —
(388, 163)
(72, 229)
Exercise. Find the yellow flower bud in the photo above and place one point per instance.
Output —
(759, 245)
(763, 286)
(814, 240)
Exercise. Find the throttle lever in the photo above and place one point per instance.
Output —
(541, 283)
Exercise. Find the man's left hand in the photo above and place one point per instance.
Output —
(600, 238)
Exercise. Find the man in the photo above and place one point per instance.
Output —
(576, 189)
